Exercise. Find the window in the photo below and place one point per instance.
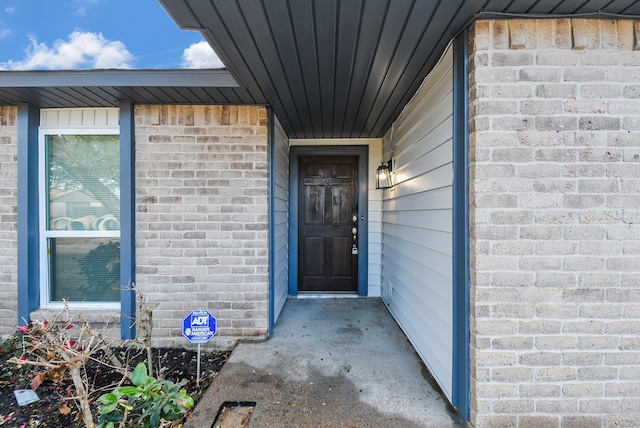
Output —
(80, 217)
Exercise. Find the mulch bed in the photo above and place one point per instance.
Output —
(53, 410)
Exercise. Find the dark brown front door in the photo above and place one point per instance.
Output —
(327, 219)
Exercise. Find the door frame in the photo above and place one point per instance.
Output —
(362, 152)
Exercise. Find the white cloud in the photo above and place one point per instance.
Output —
(200, 55)
(10, 10)
(82, 50)
(4, 33)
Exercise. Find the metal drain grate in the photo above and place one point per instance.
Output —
(234, 414)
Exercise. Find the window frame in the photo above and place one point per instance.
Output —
(45, 234)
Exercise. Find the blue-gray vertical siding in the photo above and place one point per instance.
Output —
(417, 223)
(281, 217)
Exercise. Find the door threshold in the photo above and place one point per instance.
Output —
(327, 296)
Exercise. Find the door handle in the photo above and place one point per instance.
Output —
(354, 247)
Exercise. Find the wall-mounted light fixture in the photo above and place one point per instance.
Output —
(383, 175)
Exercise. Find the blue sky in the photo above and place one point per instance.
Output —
(81, 34)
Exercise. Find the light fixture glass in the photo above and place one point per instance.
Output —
(383, 176)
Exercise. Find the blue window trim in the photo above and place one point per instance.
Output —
(461, 387)
(127, 222)
(28, 121)
(363, 209)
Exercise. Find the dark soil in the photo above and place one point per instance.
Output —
(54, 410)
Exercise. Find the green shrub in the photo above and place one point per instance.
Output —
(148, 403)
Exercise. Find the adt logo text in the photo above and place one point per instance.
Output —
(200, 320)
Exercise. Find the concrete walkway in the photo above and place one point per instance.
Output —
(328, 363)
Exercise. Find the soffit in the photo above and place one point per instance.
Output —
(346, 68)
(107, 88)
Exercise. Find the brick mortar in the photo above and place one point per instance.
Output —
(202, 217)
(554, 223)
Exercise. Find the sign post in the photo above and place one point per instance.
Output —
(199, 327)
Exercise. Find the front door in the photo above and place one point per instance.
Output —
(327, 224)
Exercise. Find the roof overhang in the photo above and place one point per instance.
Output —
(346, 68)
(107, 88)
(328, 68)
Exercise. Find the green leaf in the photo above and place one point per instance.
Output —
(108, 408)
(107, 398)
(139, 375)
(187, 402)
(155, 419)
(128, 390)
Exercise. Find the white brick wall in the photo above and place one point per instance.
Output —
(8, 220)
(202, 217)
(555, 223)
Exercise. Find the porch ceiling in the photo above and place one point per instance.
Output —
(346, 68)
(106, 88)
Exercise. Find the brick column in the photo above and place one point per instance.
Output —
(555, 234)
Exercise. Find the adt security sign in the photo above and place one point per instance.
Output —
(199, 326)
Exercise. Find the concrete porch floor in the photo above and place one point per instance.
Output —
(329, 363)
